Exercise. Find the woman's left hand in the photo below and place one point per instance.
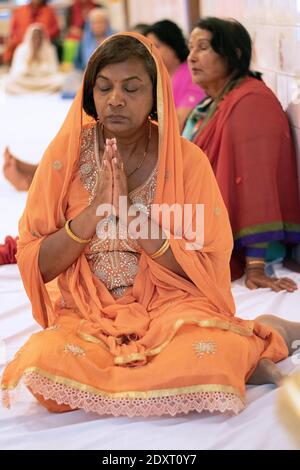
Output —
(256, 278)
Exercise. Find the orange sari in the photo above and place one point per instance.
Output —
(185, 349)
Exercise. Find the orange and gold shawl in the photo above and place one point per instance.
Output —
(184, 176)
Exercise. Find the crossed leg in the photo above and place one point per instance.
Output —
(266, 370)
(18, 173)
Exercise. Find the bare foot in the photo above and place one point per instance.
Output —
(18, 173)
(266, 372)
(290, 331)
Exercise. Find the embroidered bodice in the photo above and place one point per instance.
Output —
(113, 261)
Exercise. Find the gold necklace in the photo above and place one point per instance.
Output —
(144, 154)
(143, 157)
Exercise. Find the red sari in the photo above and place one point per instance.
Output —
(8, 251)
(79, 11)
(250, 148)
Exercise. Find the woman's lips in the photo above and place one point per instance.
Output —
(116, 118)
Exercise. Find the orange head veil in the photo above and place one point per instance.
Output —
(184, 176)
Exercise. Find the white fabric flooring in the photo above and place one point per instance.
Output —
(27, 124)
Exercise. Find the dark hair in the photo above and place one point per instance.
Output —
(141, 28)
(231, 40)
(170, 34)
(114, 51)
(43, 2)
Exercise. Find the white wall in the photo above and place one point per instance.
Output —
(275, 29)
(149, 11)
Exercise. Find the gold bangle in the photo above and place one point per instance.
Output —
(250, 263)
(73, 236)
(162, 250)
(259, 267)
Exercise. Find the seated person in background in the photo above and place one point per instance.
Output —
(168, 38)
(97, 28)
(35, 66)
(76, 17)
(77, 14)
(244, 131)
(37, 11)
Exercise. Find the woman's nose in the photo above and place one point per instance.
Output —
(116, 99)
(191, 57)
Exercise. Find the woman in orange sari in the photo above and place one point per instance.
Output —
(136, 325)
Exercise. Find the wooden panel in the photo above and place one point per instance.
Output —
(193, 13)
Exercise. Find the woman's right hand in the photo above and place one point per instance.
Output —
(58, 251)
(257, 278)
(104, 190)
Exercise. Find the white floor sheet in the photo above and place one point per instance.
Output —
(27, 124)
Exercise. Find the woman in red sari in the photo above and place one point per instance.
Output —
(245, 134)
(37, 11)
